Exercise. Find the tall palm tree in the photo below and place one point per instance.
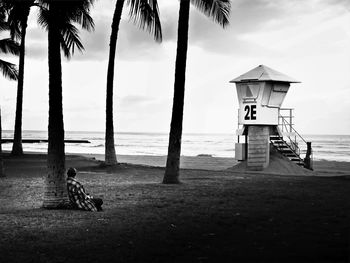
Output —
(18, 21)
(145, 14)
(7, 46)
(58, 18)
(219, 11)
(8, 69)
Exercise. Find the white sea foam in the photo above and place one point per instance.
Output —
(325, 147)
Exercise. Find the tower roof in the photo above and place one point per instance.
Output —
(264, 73)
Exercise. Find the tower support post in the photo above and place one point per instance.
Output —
(258, 147)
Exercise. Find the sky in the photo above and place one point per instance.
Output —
(307, 40)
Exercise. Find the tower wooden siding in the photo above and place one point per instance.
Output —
(258, 147)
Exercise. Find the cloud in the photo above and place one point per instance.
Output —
(132, 101)
(36, 50)
(132, 43)
(341, 3)
(261, 19)
(96, 43)
(135, 44)
(247, 17)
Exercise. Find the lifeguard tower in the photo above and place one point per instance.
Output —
(265, 125)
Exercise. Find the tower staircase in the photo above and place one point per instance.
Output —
(289, 142)
(286, 150)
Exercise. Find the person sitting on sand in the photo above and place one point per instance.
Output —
(77, 196)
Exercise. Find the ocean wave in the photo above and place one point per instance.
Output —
(218, 145)
(98, 145)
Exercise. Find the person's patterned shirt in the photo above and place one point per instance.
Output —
(78, 197)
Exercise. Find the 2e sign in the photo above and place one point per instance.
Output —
(250, 112)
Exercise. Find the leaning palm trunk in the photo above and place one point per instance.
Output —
(110, 155)
(1, 162)
(17, 148)
(55, 192)
(174, 148)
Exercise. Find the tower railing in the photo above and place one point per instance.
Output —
(292, 138)
(285, 124)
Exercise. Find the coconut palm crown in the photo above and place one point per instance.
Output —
(60, 18)
(145, 14)
(219, 11)
(7, 46)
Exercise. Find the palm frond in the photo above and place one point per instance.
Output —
(76, 11)
(64, 47)
(145, 14)
(3, 17)
(43, 17)
(14, 24)
(18, 15)
(218, 10)
(9, 46)
(81, 14)
(64, 14)
(85, 20)
(4, 26)
(70, 39)
(9, 70)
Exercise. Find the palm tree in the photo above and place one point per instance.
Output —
(144, 13)
(219, 11)
(7, 46)
(18, 19)
(58, 18)
(8, 69)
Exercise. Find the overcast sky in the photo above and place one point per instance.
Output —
(308, 40)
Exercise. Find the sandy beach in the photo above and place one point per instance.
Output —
(321, 168)
(215, 215)
(187, 162)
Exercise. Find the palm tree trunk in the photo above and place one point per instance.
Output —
(171, 175)
(1, 162)
(17, 148)
(55, 192)
(110, 155)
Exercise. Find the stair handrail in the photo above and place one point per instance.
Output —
(285, 123)
(291, 128)
(290, 116)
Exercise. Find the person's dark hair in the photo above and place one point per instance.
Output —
(71, 172)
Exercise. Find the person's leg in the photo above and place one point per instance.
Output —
(98, 203)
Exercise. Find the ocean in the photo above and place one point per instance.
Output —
(325, 147)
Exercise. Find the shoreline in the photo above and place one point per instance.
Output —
(186, 162)
(322, 168)
(325, 147)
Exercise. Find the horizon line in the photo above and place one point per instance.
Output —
(161, 132)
